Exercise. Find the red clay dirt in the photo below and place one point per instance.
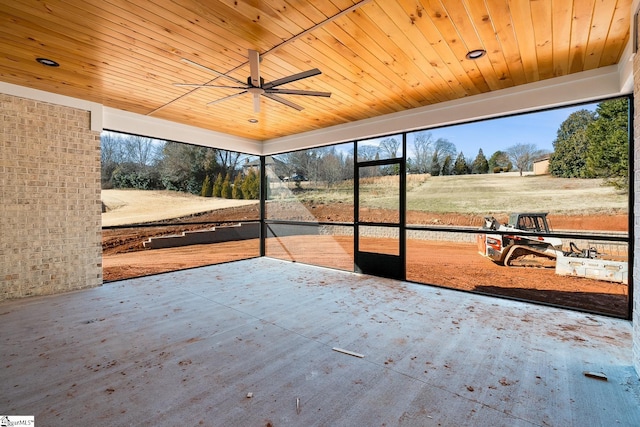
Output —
(448, 264)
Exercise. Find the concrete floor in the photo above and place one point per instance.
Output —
(186, 348)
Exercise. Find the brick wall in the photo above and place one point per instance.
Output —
(50, 224)
(636, 219)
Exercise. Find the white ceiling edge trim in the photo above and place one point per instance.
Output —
(138, 124)
(571, 89)
(122, 121)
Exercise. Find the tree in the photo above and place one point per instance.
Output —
(217, 186)
(446, 165)
(331, 167)
(444, 148)
(130, 161)
(139, 149)
(522, 156)
(390, 147)
(110, 156)
(184, 167)
(569, 159)
(237, 187)
(422, 159)
(480, 164)
(460, 166)
(303, 163)
(227, 160)
(499, 162)
(435, 165)
(207, 187)
(226, 191)
(251, 185)
(367, 152)
(608, 146)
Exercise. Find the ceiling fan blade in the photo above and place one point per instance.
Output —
(227, 97)
(298, 92)
(283, 101)
(205, 85)
(254, 66)
(292, 78)
(217, 73)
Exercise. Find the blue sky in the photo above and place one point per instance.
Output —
(499, 134)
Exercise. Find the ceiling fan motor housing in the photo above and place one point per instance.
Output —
(250, 83)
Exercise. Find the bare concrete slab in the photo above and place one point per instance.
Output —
(186, 348)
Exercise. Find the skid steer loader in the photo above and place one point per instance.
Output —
(526, 247)
(522, 243)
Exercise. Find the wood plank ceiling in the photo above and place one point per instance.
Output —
(378, 57)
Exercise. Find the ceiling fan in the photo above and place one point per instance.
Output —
(256, 86)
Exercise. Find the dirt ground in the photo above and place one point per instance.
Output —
(453, 265)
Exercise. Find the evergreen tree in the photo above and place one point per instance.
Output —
(435, 164)
(207, 187)
(226, 192)
(217, 186)
(460, 166)
(569, 159)
(480, 164)
(237, 187)
(608, 146)
(446, 166)
(251, 185)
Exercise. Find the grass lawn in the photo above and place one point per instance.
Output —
(510, 192)
(474, 194)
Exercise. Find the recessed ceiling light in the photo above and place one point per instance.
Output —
(476, 53)
(47, 62)
(253, 120)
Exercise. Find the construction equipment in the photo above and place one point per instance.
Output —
(526, 247)
(522, 243)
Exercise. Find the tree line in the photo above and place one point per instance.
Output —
(130, 161)
(440, 157)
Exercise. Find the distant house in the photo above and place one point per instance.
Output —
(272, 165)
(541, 165)
(255, 165)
